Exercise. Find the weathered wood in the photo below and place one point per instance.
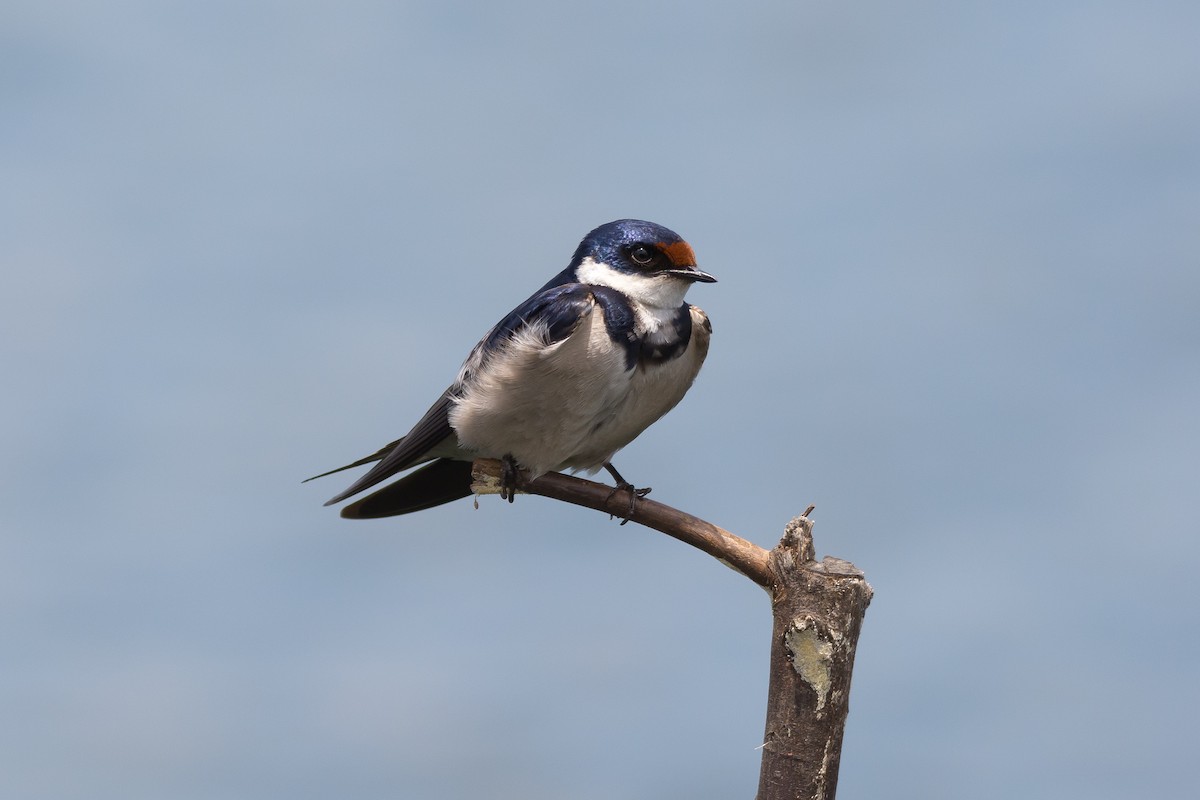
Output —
(818, 609)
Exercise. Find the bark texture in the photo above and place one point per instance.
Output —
(818, 609)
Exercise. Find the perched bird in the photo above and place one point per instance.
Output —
(564, 381)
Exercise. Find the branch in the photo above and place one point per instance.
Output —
(731, 550)
(818, 609)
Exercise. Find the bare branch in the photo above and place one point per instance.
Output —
(730, 549)
(818, 609)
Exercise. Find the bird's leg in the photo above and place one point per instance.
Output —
(509, 474)
(624, 485)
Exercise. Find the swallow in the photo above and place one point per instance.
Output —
(568, 378)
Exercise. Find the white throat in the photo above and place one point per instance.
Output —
(654, 291)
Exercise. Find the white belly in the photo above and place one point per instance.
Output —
(573, 404)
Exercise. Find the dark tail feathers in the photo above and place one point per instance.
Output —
(433, 484)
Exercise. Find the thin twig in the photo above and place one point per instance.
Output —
(730, 549)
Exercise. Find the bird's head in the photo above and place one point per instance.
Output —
(649, 263)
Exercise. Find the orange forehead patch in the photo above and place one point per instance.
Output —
(680, 253)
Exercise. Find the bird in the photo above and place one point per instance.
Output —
(569, 377)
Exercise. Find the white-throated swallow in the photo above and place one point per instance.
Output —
(563, 382)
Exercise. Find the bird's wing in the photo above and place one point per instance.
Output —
(554, 312)
(430, 430)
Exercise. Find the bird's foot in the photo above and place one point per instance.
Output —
(510, 473)
(625, 486)
(634, 494)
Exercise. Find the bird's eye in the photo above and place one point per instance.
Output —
(641, 254)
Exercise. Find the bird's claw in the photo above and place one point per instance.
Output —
(634, 495)
(624, 485)
(510, 473)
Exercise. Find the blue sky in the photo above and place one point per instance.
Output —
(959, 258)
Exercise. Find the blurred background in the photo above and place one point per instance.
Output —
(959, 310)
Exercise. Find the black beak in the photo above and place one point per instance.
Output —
(691, 274)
